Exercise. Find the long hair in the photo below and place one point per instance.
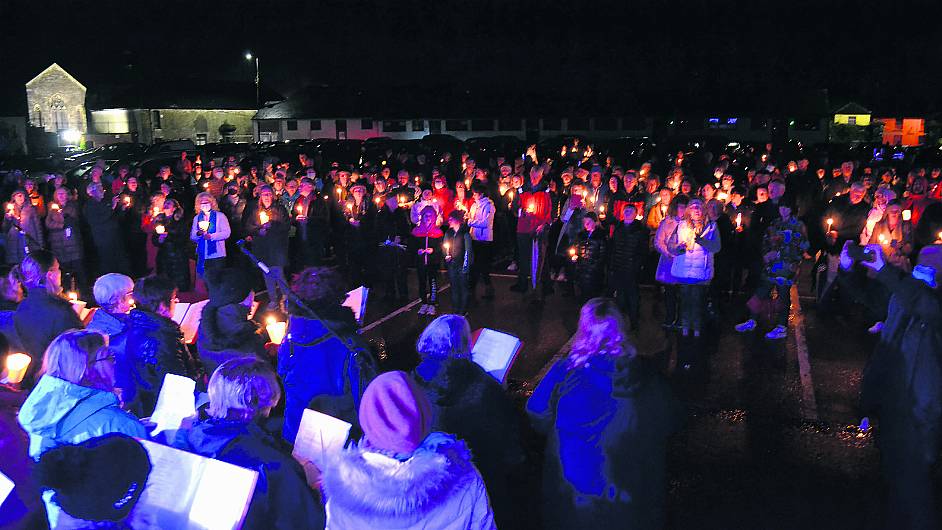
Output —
(241, 388)
(601, 333)
(696, 226)
(446, 337)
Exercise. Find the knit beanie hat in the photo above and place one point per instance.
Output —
(395, 414)
(100, 479)
(227, 286)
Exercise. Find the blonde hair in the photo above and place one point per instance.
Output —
(446, 337)
(241, 388)
(205, 195)
(601, 333)
(71, 354)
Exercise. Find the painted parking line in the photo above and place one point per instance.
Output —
(809, 407)
(404, 309)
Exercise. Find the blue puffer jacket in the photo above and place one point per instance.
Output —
(114, 326)
(312, 364)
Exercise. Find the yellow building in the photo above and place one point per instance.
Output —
(852, 114)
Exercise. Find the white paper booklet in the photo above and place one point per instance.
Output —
(189, 492)
(356, 300)
(188, 317)
(495, 351)
(176, 402)
(6, 487)
(319, 436)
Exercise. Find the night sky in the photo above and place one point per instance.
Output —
(889, 55)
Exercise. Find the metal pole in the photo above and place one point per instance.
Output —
(258, 90)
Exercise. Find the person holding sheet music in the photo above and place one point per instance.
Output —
(403, 474)
(242, 392)
(154, 347)
(210, 231)
(268, 229)
(225, 331)
(324, 372)
(607, 413)
(470, 404)
(74, 400)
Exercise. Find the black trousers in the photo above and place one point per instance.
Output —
(481, 266)
(625, 284)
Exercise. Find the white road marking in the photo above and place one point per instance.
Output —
(404, 309)
(809, 407)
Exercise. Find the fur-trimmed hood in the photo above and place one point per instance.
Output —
(380, 487)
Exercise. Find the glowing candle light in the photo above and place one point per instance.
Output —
(300, 209)
(739, 221)
(907, 215)
(572, 254)
(73, 296)
(55, 207)
(156, 211)
(722, 196)
(639, 216)
(602, 212)
(10, 208)
(378, 201)
(127, 201)
(510, 195)
(447, 246)
(531, 207)
(16, 365)
(882, 239)
(203, 225)
(160, 230)
(276, 330)
(830, 223)
(263, 217)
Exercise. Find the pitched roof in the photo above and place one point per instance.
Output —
(177, 93)
(852, 108)
(55, 66)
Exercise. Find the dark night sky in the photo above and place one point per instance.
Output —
(889, 55)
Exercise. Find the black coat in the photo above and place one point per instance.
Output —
(460, 251)
(65, 233)
(225, 333)
(105, 230)
(282, 498)
(154, 348)
(173, 254)
(629, 247)
(591, 250)
(269, 240)
(470, 404)
(40, 318)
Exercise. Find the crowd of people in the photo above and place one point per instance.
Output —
(434, 448)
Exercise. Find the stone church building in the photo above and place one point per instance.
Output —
(146, 112)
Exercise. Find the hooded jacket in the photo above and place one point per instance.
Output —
(314, 365)
(59, 412)
(226, 333)
(608, 424)
(282, 498)
(436, 487)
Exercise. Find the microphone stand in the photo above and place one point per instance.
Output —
(289, 294)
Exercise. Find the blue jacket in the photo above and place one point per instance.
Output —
(313, 364)
(59, 412)
(608, 424)
(115, 326)
(282, 498)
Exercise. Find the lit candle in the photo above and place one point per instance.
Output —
(467, 183)
(156, 211)
(739, 221)
(378, 201)
(127, 201)
(531, 207)
(722, 196)
(572, 254)
(16, 365)
(882, 239)
(940, 236)
(10, 208)
(510, 195)
(830, 223)
(602, 212)
(206, 185)
(300, 208)
(204, 225)
(447, 246)
(639, 216)
(907, 215)
(55, 207)
(263, 217)
(276, 330)
(73, 296)
(160, 230)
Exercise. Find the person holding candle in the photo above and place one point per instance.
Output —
(327, 373)
(210, 230)
(268, 230)
(104, 225)
(783, 248)
(532, 224)
(629, 249)
(154, 347)
(897, 239)
(358, 234)
(848, 216)
(170, 238)
(65, 237)
(312, 218)
(135, 236)
(392, 233)
(459, 258)
(591, 254)
(45, 313)
(426, 245)
(481, 226)
(22, 228)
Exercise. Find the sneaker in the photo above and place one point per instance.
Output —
(512, 267)
(876, 328)
(778, 332)
(748, 325)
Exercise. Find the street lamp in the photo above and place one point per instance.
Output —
(258, 92)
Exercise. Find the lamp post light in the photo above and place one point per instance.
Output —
(258, 92)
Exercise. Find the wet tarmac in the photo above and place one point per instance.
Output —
(753, 453)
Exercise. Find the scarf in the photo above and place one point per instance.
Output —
(204, 246)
